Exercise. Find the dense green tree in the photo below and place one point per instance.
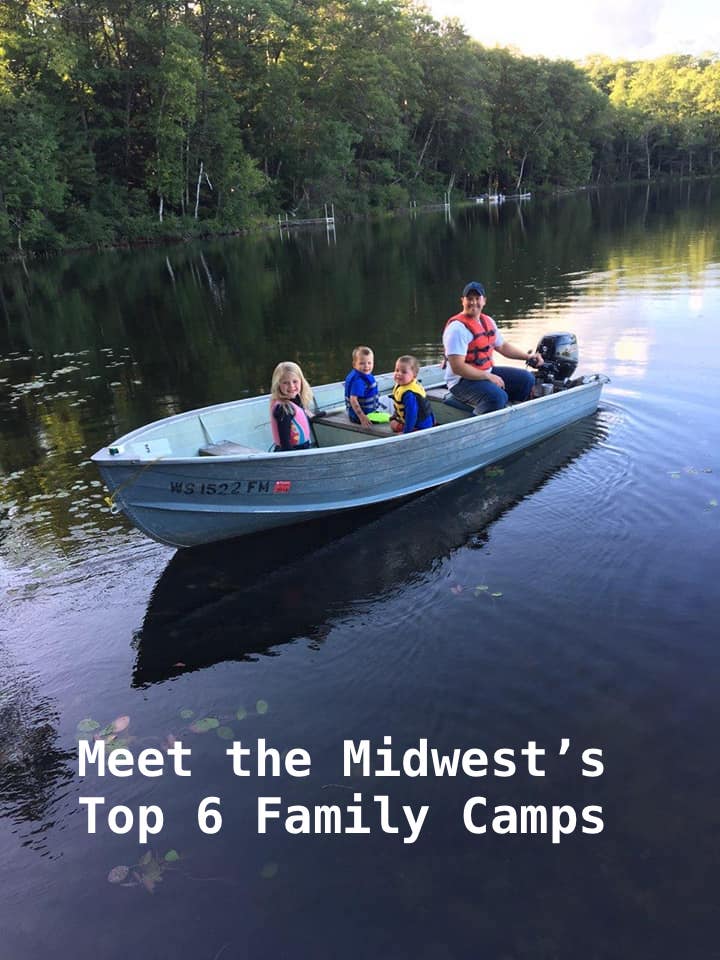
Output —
(125, 119)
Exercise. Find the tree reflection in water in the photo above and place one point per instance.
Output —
(32, 765)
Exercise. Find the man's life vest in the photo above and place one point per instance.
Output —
(368, 400)
(480, 349)
(299, 427)
(424, 408)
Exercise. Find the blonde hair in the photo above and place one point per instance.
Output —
(287, 367)
(409, 361)
(362, 352)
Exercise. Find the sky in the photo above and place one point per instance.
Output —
(573, 29)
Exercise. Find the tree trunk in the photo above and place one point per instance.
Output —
(197, 191)
(428, 138)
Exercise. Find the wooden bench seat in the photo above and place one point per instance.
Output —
(340, 419)
(332, 429)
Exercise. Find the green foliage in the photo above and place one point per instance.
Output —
(158, 118)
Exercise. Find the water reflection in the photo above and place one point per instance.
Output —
(238, 600)
(33, 767)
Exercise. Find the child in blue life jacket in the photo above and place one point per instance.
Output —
(412, 407)
(290, 402)
(361, 389)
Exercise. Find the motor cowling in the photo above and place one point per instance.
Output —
(560, 355)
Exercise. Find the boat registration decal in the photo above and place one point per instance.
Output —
(223, 489)
(282, 486)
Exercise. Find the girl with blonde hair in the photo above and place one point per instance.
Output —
(290, 402)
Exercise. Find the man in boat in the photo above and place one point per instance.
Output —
(469, 339)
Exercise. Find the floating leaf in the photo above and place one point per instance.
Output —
(202, 726)
(146, 858)
(241, 713)
(481, 588)
(713, 502)
(186, 714)
(674, 475)
(225, 733)
(171, 856)
(496, 594)
(268, 871)
(262, 706)
(494, 471)
(118, 874)
(88, 725)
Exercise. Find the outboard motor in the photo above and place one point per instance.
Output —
(560, 353)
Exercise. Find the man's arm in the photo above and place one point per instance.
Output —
(512, 352)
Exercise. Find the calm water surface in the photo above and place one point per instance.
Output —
(566, 593)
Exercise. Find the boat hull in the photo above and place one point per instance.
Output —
(196, 500)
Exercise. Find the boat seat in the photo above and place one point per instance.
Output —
(340, 419)
(226, 448)
(334, 429)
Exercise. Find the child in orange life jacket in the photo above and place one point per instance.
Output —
(290, 400)
(412, 407)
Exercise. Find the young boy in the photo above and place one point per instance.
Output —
(412, 407)
(361, 390)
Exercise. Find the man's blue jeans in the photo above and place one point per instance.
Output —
(484, 397)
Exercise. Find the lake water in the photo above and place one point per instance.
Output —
(567, 594)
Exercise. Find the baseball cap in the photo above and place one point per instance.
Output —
(474, 287)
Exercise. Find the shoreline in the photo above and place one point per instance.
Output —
(265, 225)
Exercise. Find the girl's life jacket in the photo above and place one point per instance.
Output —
(289, 424)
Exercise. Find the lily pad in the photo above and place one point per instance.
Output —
(187, 714)
(496, 594)
(262, 706)
(241, 713)
(118, 874)
(225, 733)
(120, 723)
(171, 856)
(207, 723)
(88, 725)
(268, 871)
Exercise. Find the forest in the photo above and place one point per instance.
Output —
(130, 121)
